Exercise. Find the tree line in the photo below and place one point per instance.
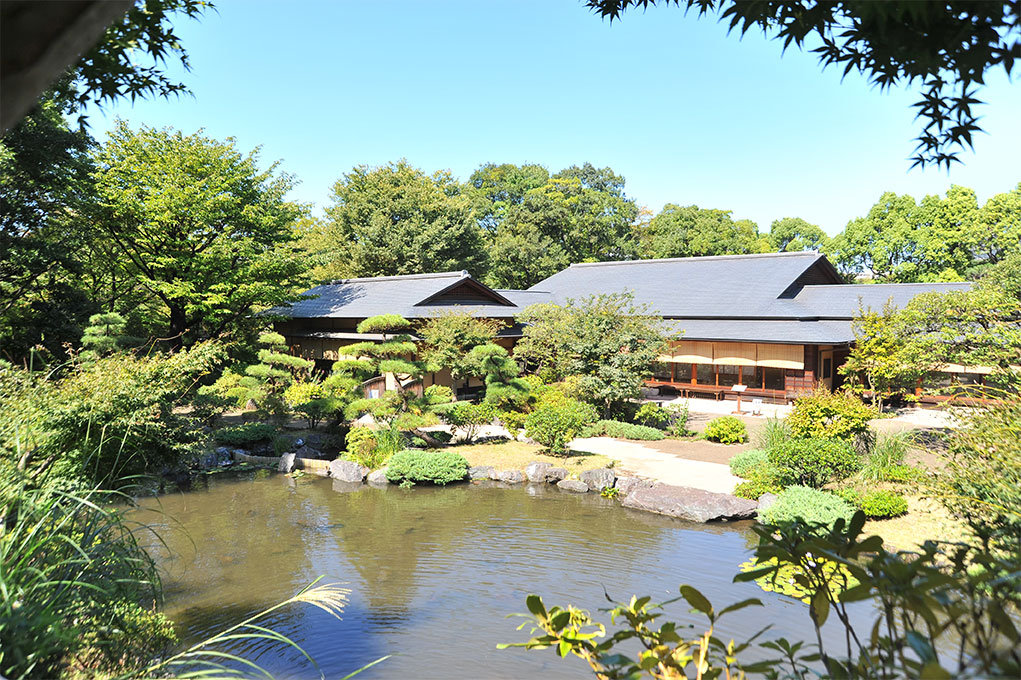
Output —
(187, 237)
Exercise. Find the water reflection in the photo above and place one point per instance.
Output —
(434, 571)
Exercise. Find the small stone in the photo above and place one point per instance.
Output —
(555, 474)
(308, 452)
(481, 472)
(378, 477)
(598, 480)
(766, 500)
(572, 485)
(536, 472)
(628, 484)
(286, 463)
(512, 476)
(348, 471)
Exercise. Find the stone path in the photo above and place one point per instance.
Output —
(643, 461)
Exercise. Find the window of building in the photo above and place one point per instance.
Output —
(682, 372)
(661, 371)
(705, 374)
(827, 368)
(772, 378)
(729, 375)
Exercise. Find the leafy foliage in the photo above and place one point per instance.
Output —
(653, 415)
(745, 463)
(883, 504)
(245, 435)
(605, 340)
(814, 462)
(830, 415)
(619, 430)
(266, 382)
(469, 418)
(691, 231)
(793, 234)
(448, 340)
(806, 506)
(726, 430)
(555, 425)
(754, 488)
(408, 468)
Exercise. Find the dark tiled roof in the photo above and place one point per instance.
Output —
(407, 295)
(728, 286)
(842, 301)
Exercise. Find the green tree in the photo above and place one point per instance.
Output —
(883, 245)
(395, 219)
(877, 354)
(500, 186)
(580, 214)
(607, 341)
(448, 340)
(945, 49)
(202, 236)
(793, 234)
(104, 333)
(45, 187)
(690, 231)
(997, 230)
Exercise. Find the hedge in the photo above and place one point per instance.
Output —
(802, 504)
(615, 428)
(408, 468)
(814, 462)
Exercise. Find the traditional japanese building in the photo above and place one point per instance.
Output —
(777, 323)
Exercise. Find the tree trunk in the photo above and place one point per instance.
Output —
(178, 325)
(430, 441)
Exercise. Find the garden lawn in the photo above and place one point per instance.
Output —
(515, 455)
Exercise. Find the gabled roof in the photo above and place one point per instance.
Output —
(727, 286)
(411, 296)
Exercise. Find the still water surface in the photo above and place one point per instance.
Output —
(433, 571)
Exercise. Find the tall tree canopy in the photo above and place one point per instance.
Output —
(690, 231)
(580, 214)
(196, 236)
(497, 187)
(793, 234)
(395, 219)
(45, 187)
(945, 48)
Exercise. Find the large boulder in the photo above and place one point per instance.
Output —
(512, 476)
(767, 500)
(598, 480)
(378, 477)
(555, 474)
(536, 472)
(286, 463)
(572, 485)
(308, 452)
(626, 485)
(348, 471)
(481, 472)
(694, 505)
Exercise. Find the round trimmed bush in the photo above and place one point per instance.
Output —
(814, 462)
(746, 463)
(408, 468)
(806, 505)
(883, 505)
(726, 430)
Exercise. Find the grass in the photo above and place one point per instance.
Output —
(926, 520)
(515, 455)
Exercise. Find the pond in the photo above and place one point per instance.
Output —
(433, 572)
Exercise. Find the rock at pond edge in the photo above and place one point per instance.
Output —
(348, 471)
(286, 463)
(536, 472)
(555, 474)
(378, 477)
(481, 472)
(511, 476)
(694, 505)
(626, 485)
(572, 485)
(598, 480)
(767, 500)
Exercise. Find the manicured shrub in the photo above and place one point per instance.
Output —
(903, 474)
(652, 415)
(745, 463)
(469, 418)
(883, 504)
(814, 462)
(619, 430)
(244, 435)
(408, 468)
(726, 430)
(830, 415)
(851, 495)
(802, 504)
(754, 488)
(513, 422)
(554, 425)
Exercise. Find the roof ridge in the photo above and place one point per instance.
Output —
(887, 283)
(436, 275)
(804, 253)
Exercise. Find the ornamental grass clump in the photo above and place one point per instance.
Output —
(807, 506)
(814, 462)
(408, 468)
(726, 430)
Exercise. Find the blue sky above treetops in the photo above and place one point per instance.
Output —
(688, 114)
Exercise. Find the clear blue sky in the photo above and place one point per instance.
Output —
(686, 113)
